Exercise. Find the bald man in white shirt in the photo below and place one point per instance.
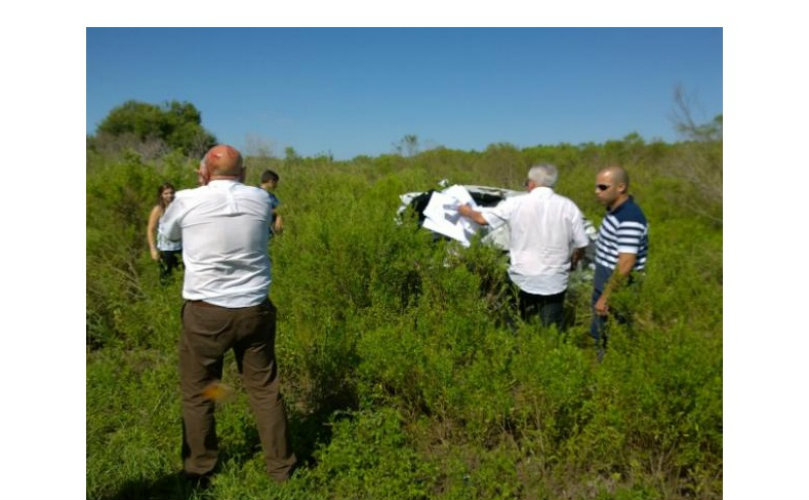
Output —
(546, 240)
(223, 225)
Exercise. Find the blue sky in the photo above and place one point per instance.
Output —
(358, 91)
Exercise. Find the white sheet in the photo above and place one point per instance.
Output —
(441, 214)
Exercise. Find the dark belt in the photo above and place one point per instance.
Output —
(202, 303)
(208, 304)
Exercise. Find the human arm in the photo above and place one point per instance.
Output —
(578, 254)
(151, 229)
(203, 175)
(579, 239)
(276, 221)
(470, 213)
(626, 262)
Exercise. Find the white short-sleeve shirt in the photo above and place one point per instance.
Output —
(223, 228)
(544, 230)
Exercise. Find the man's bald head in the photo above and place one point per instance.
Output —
(617, 174)
(223, 160)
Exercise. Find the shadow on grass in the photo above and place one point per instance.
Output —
(173, 486)
(308, 432)
(313, 429)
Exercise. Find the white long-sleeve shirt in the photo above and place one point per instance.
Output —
(223, 228)
(544, 230)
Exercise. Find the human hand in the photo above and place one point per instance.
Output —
(203, 176)
(155, 254)
(601, 306)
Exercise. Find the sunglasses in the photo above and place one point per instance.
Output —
(602, 187)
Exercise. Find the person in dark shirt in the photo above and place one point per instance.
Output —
(269, 181)
(621, 247)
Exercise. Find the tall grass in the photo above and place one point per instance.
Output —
(405, 373)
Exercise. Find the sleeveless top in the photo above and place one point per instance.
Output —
(164, 244)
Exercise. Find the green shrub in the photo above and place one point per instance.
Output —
(405, 369)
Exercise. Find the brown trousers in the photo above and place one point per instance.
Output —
(208, 332)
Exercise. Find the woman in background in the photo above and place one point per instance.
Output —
(167, 253)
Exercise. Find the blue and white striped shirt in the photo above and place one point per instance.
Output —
(623, 230)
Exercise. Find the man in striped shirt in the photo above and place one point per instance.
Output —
(621, 247)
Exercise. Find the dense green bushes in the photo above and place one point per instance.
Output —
(152, 130)
(405, 373)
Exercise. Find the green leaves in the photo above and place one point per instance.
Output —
(176, 124)
(405, 371)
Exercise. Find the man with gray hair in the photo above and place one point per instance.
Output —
(547, 239)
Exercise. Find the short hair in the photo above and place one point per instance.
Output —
(619, 174)
(268, 175)
(544, 174)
